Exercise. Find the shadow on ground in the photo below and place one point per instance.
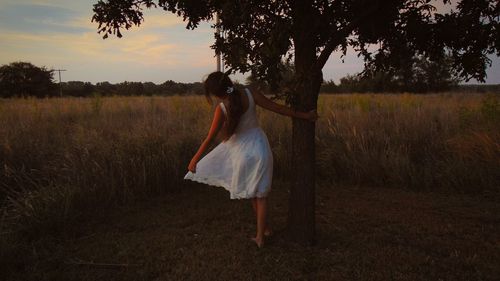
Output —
(363, 234)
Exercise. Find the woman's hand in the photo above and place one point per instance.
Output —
(310, 115)
(192, 166)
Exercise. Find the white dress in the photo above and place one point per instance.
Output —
(243, 164)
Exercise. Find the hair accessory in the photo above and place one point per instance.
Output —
(229, 90)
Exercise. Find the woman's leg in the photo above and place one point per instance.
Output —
(267, 229)
(261, 220)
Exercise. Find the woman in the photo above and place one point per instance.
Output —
(243, 162)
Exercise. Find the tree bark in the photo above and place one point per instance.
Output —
(301, 225)
(301, 213)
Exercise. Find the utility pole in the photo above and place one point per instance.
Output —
(60, 86)
(220, 64)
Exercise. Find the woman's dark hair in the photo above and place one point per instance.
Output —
(217, 83)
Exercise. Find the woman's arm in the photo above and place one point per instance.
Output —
(214, 129)
(268, 104)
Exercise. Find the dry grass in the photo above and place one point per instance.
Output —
(431, 142)
(65, 160)
(74, 154)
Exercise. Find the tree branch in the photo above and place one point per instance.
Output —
(332, 44)
(337, 37)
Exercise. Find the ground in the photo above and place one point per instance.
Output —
(363, 233)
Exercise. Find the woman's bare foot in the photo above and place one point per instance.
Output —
(260, 243)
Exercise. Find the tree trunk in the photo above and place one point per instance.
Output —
(301, 213)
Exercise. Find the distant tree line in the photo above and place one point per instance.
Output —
(478, 88)
(414, 75)
(360, 84)
(23, 79)
(167, 88)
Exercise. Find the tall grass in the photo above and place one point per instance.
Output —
(421, 142)
(62, 159)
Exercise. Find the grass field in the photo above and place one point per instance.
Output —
(407, 181)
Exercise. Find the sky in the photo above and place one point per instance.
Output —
(59, 34)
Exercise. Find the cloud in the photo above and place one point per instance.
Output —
(58, 29)
(158, 50)
(143, 48)
(37, 18)
(162, 20)
(60, 34)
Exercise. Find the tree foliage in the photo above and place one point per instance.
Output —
(260, 33)
(25, 79)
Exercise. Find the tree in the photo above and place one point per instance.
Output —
(105, 88)
(418, 75)
(259, 34)
(130, 88)
(433, 76)
(77, 88)
(278, 85)
(25, 79)
(329, 87)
